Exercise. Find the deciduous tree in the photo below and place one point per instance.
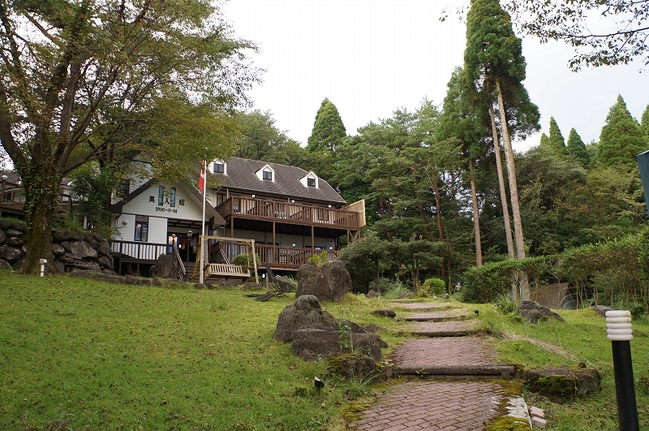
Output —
(83, 79)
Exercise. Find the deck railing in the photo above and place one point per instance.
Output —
(149, 252)
(289, 212)
(277, 257)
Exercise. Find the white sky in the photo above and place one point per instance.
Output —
(371, 57)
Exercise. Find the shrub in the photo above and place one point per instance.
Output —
(433, 286)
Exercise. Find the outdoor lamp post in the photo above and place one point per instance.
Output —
(189, 242)
(619, 331)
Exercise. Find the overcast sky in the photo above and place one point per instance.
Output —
(371, 57)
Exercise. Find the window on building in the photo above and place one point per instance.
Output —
(161, 195)
(310, 182)
(172, 198)
(141, 228)
(218, 168)
(268, 175)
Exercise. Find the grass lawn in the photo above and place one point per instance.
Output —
(113, 357)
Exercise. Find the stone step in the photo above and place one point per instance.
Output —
(436, 316)
(449, 356)
(444, 329)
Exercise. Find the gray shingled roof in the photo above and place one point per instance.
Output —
(241, 177)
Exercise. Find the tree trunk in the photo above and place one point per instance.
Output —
(501, 184)
(476, 216)
(513, 192)
(41, 198)
(511, 175)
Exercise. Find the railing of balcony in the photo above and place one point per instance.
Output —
(12, 193)
(290, 258)
(284, 211)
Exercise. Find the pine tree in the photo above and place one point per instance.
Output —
(577, 148)
(544, 142)
(556, 143)
(328, 129)
(621, 138)
(644, 123)
(495, 65)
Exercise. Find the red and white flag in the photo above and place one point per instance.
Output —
(201, 180)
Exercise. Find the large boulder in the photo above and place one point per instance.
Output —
(563, 383)
(312, 344)
(305, 312)
(10, 254)
(164, 267)
(534, 312)
(83, 250)
(329, 283)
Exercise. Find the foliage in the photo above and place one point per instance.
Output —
(555, 141)
(608, 271)
(577, 149)
(328, 129)
(260, 139)
(364, 258)
(433, 287)
(319, 259)
(91, 81)
(621, 138)
(571, 21)
(494, 279)
(245, 260)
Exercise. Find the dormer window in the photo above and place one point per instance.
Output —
(219, 167)
(310, 180)
(266, 174)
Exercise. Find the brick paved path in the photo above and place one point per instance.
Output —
(458, 405)
(434, 405)
(444, 329)
(437, 316)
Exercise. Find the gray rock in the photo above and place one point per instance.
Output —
(104, 249)
(61, 236)
(385, 313)
(108, 278)
(15, 241)
(6, 224)
(372, 294)
(10, 254)
(310, 342)
(83, 250)
(305, 312)
(164, 267)
(138, 281)
(3, 237)
(5, 265)
(105, 262)
(13, 232)
(563, 383)
(58, 250)
(329, 283)
(534, 312)
(352, 366)
(602, 309)
(20, 226)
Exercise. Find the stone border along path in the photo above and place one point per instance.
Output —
(461, 404)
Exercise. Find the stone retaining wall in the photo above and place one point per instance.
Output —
(71, 250)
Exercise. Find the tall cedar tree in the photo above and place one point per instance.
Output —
(460, 121)
(556, 143)
(328, 129)
(495, 65)
(79, 75)
(577, 149)
(621, 138)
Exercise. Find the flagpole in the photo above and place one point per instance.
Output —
(202, 248)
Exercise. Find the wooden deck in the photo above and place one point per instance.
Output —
(291, 213)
